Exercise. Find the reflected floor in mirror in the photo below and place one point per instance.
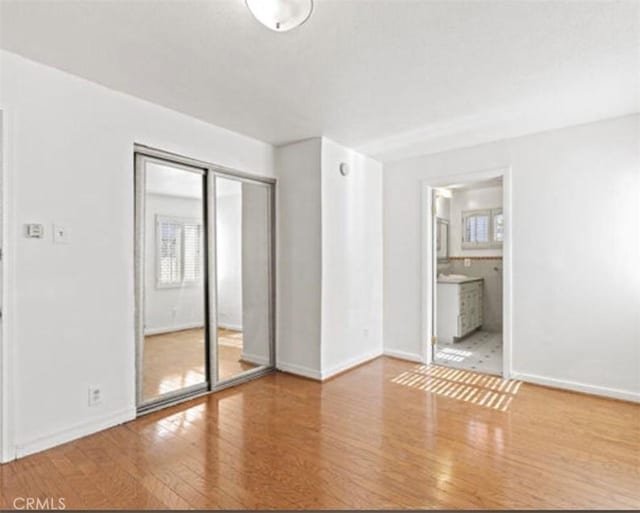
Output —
(175, 360)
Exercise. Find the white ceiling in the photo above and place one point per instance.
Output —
(392, 78)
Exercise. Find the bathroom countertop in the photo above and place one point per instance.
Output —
(457, 281)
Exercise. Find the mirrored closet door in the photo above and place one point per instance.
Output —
(204, 278)
(243, 263)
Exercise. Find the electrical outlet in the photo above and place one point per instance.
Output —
(467, 262)
(365, 332)
(95, 395)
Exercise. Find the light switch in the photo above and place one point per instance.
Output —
(34, 231)
(60, 234)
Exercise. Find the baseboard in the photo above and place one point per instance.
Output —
(74, 432)
(299, 370)
(170, 329)
(230, 327)
(403, 355)
(254, 358)
(350, 363)
(613, 393)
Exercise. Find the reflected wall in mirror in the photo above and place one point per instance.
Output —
(243, 261)
(442, 240)
(173, 350)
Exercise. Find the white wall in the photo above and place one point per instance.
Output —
(576, 248)
(71, 312)
(175, 308)
(443, 207)
(299, 249)
(351, 259)
(330, 272)
(471, 199)
(229, 256)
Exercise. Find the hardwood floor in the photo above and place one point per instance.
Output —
(176, 360)
(389, 434)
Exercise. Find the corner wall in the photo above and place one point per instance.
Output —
(299, 272)
(576, 248)
(330, 270)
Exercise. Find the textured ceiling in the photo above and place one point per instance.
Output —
(391, 78)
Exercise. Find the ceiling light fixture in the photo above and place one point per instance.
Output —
(281, 15)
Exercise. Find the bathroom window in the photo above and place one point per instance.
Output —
(497, 225)
(482, 228)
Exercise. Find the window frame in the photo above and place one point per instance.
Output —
(495, 212)
(491, 243)
(161, 219)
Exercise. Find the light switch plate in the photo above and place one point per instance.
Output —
(34, 231)
(60, 234)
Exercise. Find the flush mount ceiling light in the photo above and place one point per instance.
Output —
(281, 15)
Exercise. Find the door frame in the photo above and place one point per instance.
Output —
(429, 257)
(209, 173)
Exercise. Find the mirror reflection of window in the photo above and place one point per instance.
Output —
(179, 250)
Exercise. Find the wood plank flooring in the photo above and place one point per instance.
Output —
(389, 434)
(176, 359)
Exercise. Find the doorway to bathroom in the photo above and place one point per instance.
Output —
(466, 251)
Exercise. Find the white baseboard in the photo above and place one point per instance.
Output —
(348, 364)
(577, 387)
(299, 370)
(169, 329)
(230, 327)
(403, 355)
(74, 432)
(254, 358)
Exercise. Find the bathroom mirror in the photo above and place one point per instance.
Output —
(442, 240)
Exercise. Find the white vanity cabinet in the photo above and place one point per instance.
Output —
(459, 308)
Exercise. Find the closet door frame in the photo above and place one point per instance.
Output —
(209, 171)
(269, 183)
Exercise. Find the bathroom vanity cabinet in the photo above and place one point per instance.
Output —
(459, 308)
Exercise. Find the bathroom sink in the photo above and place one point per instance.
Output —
(453, 278)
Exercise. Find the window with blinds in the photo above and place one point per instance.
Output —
(482, 228)
(179, 251)
(477, 227)
(191, 269)
(498, 225)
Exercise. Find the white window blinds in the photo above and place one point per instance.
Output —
(477, 227)
(192, 258)
(482, 229)
(178, 250)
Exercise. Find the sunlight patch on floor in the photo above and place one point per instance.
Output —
(472, 387)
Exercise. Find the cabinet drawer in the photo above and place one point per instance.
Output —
(463, 325)
(471, 287)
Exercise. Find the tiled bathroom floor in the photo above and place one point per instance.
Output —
(481, 351)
